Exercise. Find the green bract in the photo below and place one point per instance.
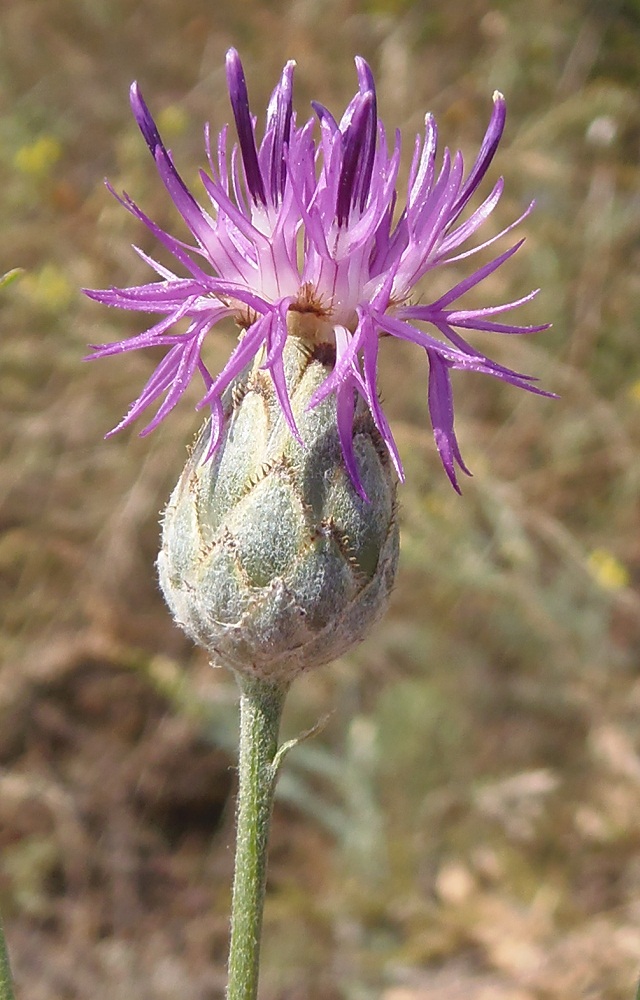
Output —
(270, 558)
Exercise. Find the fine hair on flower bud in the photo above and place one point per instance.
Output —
(271, 558)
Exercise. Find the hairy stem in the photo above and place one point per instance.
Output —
(6, 987)
(261, 705)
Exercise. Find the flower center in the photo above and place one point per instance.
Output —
(311, 319)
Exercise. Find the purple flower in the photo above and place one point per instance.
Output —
(300, 240)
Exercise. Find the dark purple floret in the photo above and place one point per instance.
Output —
(239, 97)
(278, 131)
(488, 149)
(357, 163)
(367, 86)
(143, 117)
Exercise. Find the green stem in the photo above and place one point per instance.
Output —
(6, 987)
(261, 704)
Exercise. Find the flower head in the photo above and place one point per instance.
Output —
(301, 239)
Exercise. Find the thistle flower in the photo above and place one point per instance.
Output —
(300, 239)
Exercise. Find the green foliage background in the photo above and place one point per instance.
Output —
(468, 823)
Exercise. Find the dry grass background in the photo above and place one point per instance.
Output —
(468, 823)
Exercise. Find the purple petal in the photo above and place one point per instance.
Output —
(487, 151)
(344, 361)
(487, 327)
(487, 243)
(176, 247)
(370, 364)
(366, 79)
(157, 296)
(244, 352)
(159, 381)
(357, 161)
(181, 379)
(405, 331)
(239, 98)
(279, 115)
(474, 221)
(197, 220)
(276, 339)
(345, 407)
(441, 412)
(475, 278)
(324, 115)
(217, 425)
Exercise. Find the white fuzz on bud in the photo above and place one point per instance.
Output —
(270, 559)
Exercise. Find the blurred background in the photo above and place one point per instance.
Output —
(467, 825)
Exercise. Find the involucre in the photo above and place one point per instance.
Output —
(270, 557)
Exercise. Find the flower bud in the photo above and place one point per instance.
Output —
(270, 558)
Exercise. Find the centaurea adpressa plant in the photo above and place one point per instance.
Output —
(280, 540)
